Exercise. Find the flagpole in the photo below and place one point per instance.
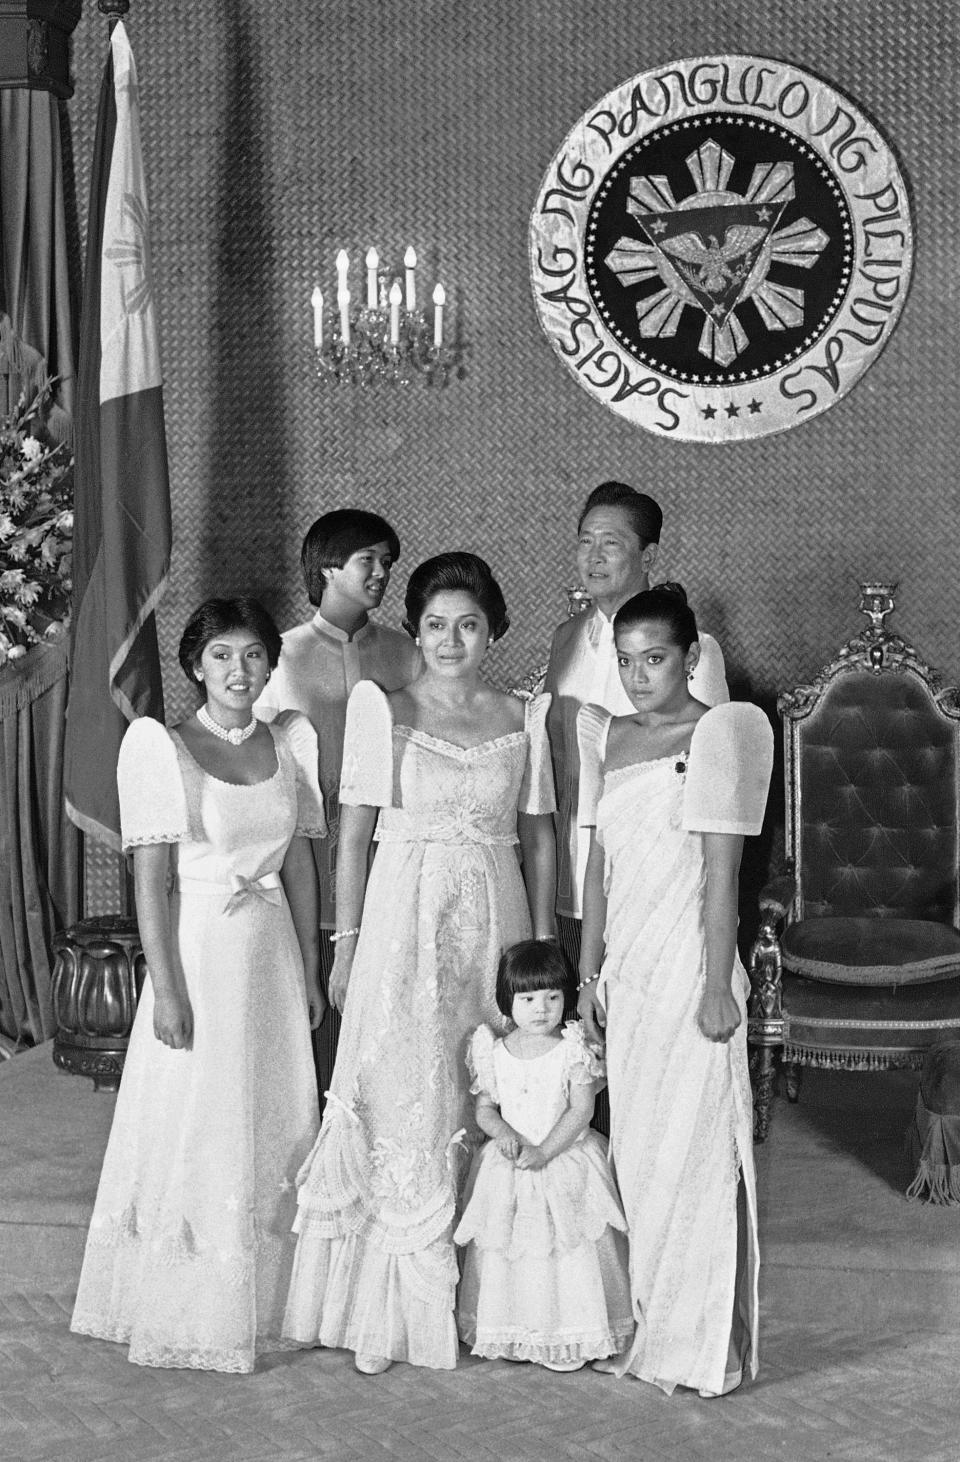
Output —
(115, 10)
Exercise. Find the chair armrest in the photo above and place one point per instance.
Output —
(775, 901)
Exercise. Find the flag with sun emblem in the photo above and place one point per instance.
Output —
(121, 545)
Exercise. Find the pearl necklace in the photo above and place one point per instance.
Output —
(236, 735)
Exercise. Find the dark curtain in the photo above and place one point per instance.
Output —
(34, 272)
(39, 847)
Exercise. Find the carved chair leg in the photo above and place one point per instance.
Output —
(763, 1072)
(793, 1073)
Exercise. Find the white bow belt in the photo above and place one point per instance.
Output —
(266, 887)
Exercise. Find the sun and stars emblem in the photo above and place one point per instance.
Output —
(720, 247)
(704, 273)
(715, 249)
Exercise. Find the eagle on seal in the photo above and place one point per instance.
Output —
(707, 266)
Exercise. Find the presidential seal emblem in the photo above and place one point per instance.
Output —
(721, 247)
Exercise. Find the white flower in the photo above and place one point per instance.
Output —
(31, 449)
(16, 652)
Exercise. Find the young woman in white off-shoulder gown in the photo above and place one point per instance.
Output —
(669, 794)
(189, 1251)
(448, 775)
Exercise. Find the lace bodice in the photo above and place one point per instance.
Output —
(430, 790)
(221, 830)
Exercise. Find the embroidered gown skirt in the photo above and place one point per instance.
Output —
(189, 1250)
(375, 1268)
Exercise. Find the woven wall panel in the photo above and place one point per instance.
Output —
(274, 134)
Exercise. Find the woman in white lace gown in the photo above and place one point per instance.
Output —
(448, 775)
(189, 1250)
(669, 793)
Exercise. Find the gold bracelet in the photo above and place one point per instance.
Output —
(584, 983)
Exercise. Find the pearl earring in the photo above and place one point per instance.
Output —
(417, 642)
(199, 674)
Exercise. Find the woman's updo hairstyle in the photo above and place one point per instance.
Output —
(665, 604)
(216, 617)
(455, 573)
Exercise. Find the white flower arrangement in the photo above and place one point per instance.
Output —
(36, 530)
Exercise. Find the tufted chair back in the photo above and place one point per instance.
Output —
(856, 966)
(872, 793)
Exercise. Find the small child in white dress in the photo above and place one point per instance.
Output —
(545, 1268)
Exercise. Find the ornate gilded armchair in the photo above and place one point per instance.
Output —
(857, 962)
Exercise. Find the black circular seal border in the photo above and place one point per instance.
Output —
(721, 247)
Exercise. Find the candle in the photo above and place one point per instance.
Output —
(316, 299)
(439, 300)
(373, 259)
(395, 297)
(409, 264)
(343, 264)
(343, 300)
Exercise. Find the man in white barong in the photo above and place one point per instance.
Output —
(617, 547)
(346, 559)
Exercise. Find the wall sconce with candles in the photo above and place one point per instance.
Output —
(389, 341)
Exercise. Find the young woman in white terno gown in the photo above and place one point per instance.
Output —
(670, 792)
(452, 774)
(189, 1251)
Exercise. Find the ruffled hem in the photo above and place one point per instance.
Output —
(178, 1309)
(167, 1357)
(552, 1309)
(553, 1211)
(354, 1295)
(571, 1349)
(236, 1360)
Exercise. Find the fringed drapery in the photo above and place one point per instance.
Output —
(933, 1144)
